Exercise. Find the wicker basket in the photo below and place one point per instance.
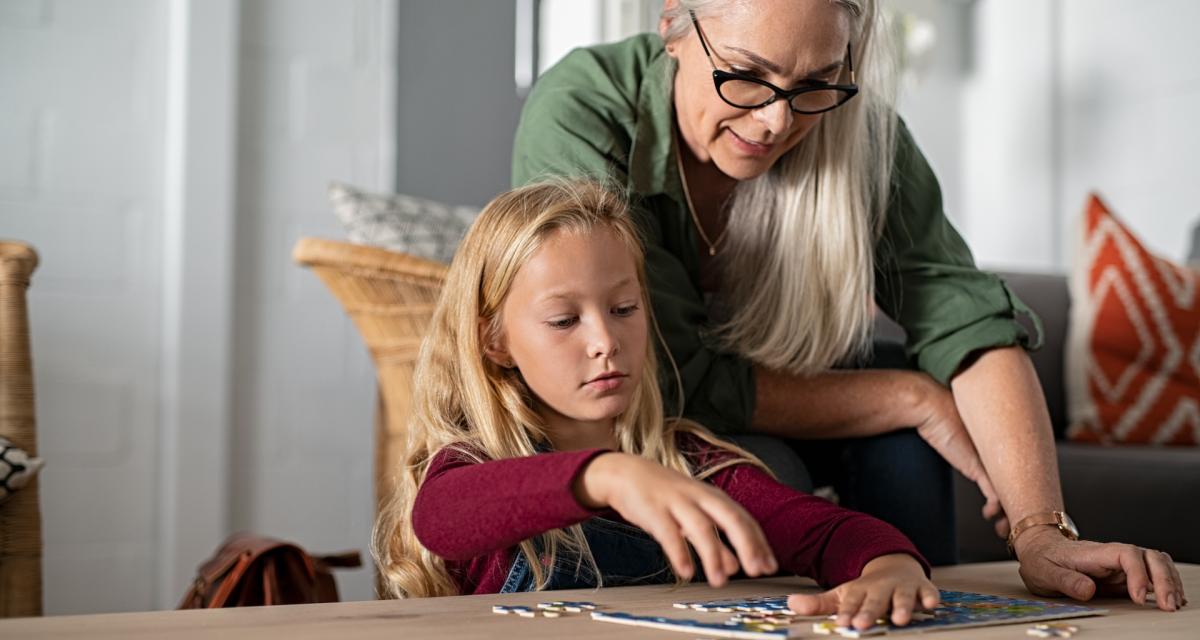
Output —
(390, 297)
(20, 517)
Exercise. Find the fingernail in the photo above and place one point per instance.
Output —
(1141, 596)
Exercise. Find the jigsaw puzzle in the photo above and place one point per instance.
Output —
(768, 618)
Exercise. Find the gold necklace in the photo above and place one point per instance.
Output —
(687, 194)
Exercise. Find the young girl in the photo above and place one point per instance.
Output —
(539, 457)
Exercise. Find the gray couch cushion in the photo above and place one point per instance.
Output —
(1048, 296)
(1135, 494)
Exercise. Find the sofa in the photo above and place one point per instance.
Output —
(1143, 495)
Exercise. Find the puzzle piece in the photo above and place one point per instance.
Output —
(507, 609)
(553, 609)
(765, 604)
(1052, 630)
(567, 606)
(829, 627)
(744, 630)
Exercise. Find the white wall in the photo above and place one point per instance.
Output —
(1128, 114)
(82, 112)
(190, 379)
(1052, 99)
(316, 105)
(568, 24)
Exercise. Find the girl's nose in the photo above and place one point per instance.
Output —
(603, 342)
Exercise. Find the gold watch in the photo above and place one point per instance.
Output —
(1057, 519)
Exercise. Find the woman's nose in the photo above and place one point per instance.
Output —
(776, 117)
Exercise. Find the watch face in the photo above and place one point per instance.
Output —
(1067, 525)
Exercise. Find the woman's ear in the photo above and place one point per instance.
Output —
(494, 348)
(663, 24)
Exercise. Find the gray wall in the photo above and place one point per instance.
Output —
(457, 105)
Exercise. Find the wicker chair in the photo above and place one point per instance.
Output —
(390, 297)
(20, 517)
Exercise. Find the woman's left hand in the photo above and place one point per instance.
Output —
(893, 582)
(1079, 569)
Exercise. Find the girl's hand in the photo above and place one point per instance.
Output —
(896, 582)
(676, 510)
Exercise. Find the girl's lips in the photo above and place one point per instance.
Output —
(748, 147)
(606, 383)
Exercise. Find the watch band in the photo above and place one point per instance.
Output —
(1057, 519)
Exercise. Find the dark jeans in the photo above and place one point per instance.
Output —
(895, 477)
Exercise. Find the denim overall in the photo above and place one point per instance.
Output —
(625, 554)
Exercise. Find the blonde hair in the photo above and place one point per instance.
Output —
(805, 230)
(486, 412)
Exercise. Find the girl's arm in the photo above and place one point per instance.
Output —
(872, 569)
(678, 510)
(811, 536)
(466, 509)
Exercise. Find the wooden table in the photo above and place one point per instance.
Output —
(471, 616)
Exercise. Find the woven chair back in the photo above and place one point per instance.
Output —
(390, 297)
(20, 516)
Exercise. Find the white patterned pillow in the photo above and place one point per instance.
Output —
(17, 469)
(402, 223)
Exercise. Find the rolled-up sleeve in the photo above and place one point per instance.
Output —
(927, 281)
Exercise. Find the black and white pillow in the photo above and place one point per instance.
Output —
(17, 468)
(407, 224)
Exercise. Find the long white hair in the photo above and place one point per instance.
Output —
(804, 232)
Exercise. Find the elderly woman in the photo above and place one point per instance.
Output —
(782, 201)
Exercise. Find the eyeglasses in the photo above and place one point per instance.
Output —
(747, 92)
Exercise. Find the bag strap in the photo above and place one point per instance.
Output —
(343, 560)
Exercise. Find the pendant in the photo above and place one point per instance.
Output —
(712, 251)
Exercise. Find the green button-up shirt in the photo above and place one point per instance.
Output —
(606, 112)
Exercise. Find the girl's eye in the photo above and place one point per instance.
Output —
(625, 311)
(563, 323)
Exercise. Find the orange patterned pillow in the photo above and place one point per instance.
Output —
(1133, 356)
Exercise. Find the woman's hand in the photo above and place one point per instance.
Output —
(1053, 565)
(676, 510)
(937, 421)
(893, 582)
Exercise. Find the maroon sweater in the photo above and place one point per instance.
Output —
(474, 514)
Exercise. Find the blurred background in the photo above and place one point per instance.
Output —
(164, 156)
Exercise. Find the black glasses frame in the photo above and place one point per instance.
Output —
(721, 77)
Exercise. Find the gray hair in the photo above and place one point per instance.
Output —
(805, 231)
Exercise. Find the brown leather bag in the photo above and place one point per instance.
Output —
(251, 570)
